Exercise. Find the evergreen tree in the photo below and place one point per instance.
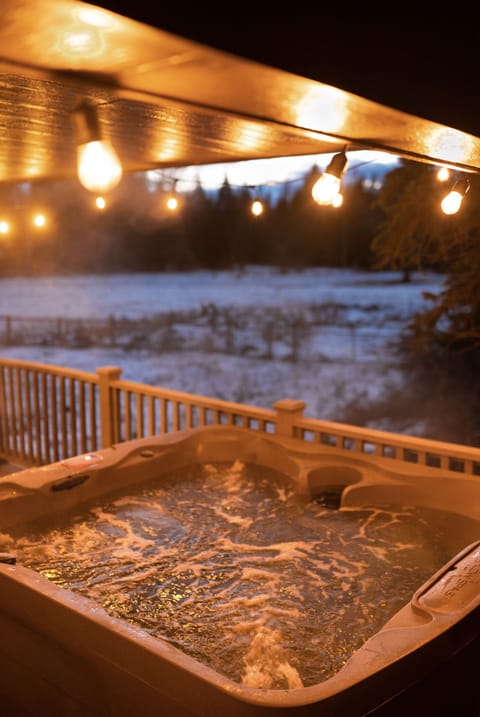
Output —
(358, 218)
(280, 250)
(200, 224)
(311, 226)
(415, 234)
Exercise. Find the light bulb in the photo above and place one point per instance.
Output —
(256, 208)
(326, 189)
(451, 203)
(99, 168)
(39, 221)
(443, 174)
(337, 200)
(172, 203)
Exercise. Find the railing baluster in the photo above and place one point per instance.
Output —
(139, 411)
(116, 400)
(11, 396)
(92, 416)
(19, 413)
(82, 419)
(28, 406)
(163, 415)
(38, 454)
(45, 419)
(151, 416)
(62, 406)
(176, 416)
(128, 415)
(444, 462)
(4, 415)
(54, 414)
(73, 417)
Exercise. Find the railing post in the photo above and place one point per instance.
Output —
(288, 410)
(106, 374)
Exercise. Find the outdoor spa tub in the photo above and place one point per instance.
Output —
(224, 572)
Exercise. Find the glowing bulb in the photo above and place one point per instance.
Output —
(99, 168)
(326, 189)
(4, 227)
(100, 203)
(172, 203)
(39, 221)
(337, 200)
(443, 174)
(451, 203)
(257, 208)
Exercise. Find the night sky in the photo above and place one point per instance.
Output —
(421, 60)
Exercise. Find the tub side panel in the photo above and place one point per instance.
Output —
(40, 677)
(62, 655)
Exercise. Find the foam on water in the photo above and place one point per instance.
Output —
(231, 566)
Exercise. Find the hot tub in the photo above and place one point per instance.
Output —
(115, 598)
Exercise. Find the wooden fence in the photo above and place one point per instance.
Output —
(277, 333)
(50, 413)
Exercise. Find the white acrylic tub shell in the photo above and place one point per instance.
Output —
(61, 654)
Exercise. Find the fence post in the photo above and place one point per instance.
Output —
(112, 330)
(107, 374)
(288, 410)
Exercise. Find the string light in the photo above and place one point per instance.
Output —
(335, 169)
(450, 204)
(452, 201)
(98, 166)
(172, 202)
(443, 173)
(337, 200)
(257, 208)
(326, 189)
(39, 221)
(4, 226)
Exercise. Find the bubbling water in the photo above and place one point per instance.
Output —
(229, 564)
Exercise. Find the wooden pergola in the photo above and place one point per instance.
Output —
(165, 101)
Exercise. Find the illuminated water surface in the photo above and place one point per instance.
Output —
(230, 565)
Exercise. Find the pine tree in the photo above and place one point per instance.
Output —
(415, 235)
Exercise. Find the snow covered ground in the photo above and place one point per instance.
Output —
(347, 361)
(134, 295)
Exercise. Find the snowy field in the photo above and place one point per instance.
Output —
(134, 295)
(349, 361)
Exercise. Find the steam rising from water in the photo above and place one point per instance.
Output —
(231, 566)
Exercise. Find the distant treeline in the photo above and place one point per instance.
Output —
(136, 232)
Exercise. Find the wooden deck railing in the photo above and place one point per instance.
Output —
(49, 413)
(46, 412)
